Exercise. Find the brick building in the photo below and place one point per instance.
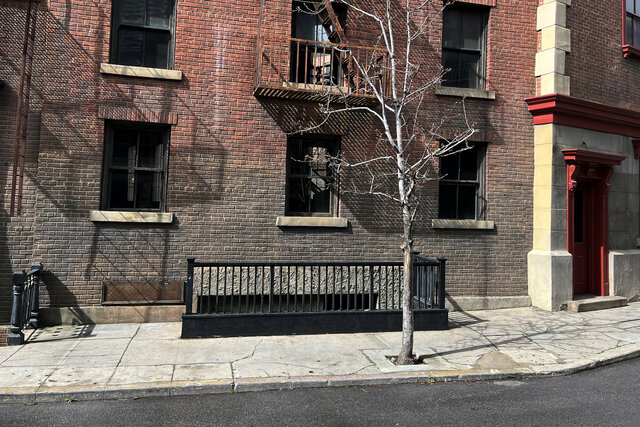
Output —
(160, 130)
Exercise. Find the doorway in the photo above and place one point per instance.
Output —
(588, 175)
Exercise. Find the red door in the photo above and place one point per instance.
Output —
(580, 242)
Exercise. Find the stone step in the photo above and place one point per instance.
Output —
(595, 303)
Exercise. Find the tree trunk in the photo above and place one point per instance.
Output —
(406, 356)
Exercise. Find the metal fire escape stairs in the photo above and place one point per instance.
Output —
(22, 109)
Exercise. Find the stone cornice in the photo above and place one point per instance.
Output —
(570, 111)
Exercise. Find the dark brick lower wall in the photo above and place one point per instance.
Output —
(4, 333)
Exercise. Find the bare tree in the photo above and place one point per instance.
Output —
(393, 73)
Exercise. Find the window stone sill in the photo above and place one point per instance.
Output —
(462, 92)
(462, 224)
(131, 217)
(311, 221)
(144, 72)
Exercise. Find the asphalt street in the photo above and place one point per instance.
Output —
(605, 396)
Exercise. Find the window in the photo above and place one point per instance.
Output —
(312, 184)
(143, 33)
(464, 46)
(135, 166)
(632, 23)
(313, 61)
(462, 184)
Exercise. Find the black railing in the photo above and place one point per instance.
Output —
(299, 287)
(298, 64)
(26, 303)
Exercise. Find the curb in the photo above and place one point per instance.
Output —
(185, 388)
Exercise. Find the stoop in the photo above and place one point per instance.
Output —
(590, 303)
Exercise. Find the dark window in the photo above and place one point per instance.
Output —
(463, 46)
(632, 23)
(313, 60)
(312, 184)
(143, 33)
(461, 187)
(135, 166)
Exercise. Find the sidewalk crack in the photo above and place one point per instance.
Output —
(233, 369)
(56, 368)
(122, 355)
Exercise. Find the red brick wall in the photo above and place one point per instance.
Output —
(4, 333)
(227, 155)
(597, 68)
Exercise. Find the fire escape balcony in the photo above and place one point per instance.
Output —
(309, 70)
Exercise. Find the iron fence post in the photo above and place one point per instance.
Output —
(441, 299)
(189, 290)
(16, 337)
(35, 296)
(371, 307)
(272, 271)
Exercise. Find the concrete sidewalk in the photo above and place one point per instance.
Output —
(130, 360)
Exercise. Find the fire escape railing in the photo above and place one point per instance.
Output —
(330, 68)
(22, 109)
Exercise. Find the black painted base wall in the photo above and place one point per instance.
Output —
(232, 325)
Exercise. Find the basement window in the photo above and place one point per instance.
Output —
(143, 33)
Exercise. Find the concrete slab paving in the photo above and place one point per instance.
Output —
(15, 377)
(141, 374)
(78, 376)
(202, 372)
(129, 360)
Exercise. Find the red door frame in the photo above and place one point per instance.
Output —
(593, 169)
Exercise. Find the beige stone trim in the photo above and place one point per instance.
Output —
(567, 2)
(465, 93)
(550, 61)
(135, 217)
(486, 303)
(555, 83)
(555, 43)
(311, 221)
(556, 37)
(550, 277)
(145, 72)
(464, 224)
(552, 13)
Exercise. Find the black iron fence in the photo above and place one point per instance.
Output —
(26, 302)
(301, 287)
